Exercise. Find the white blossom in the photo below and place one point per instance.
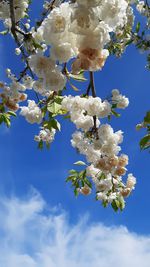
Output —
(32, 112)
(45, 135)
(131, 181)
(20, 7)
(120, 100)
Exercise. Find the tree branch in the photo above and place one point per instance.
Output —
(13, 31)
(92, 85)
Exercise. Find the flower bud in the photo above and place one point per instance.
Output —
(85, 190)
(17, 51)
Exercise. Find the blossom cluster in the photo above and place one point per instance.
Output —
(120, 100)
(83, 109)
(12, 94)
(81, 30)
(100, 145)
(71, 38)
(106, 166)
(78, 31)
(142, 8)
(45, 135)
(50, 76)
(20, 8)
(32, 113)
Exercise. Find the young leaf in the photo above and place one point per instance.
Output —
(145, 142)
(74, 87)
(11, 113)
(115, 113)
(114, 205)
(74, 172)
(76, 192)
(138, 27)
(121, 203)
(147, 117)
(80, 163)
(40, 145)
(54, 108)
(79, 77)
(55, 124)
(6, 120)
(4, 32)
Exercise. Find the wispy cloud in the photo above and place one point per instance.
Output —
(32, 236)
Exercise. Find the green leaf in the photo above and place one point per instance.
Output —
(44, 110)
(137, 27)
(129, 42)
(74, 87)
(147, 117)
(82, 183)
(114, 205)
(79, 77)
(88, 182)
(71, 178)
(115, 113)
(145, 142)
(4, 32)
(67, 117)
(56, 125)
(109, 117)
(58, 99)
(2, 108)
(118, 203)
(12, 113)
(139, 126)
(76, 192)
(54, 107)
(82, 174)
(73, 172)
(105, 204)
(40, 145)
(114, 105)
(1, 119)
(121, 202)
(6, 120)
(80, 163)
(52, 124)
(47, 145)
(36, 45)
(47, 125)
(102, 176)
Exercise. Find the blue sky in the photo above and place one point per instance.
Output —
(23, 167)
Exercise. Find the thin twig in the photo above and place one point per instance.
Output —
(45, 13)
(88, 89)
(13, 31)
(92, 85)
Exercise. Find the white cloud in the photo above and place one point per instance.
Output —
(32, 236)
